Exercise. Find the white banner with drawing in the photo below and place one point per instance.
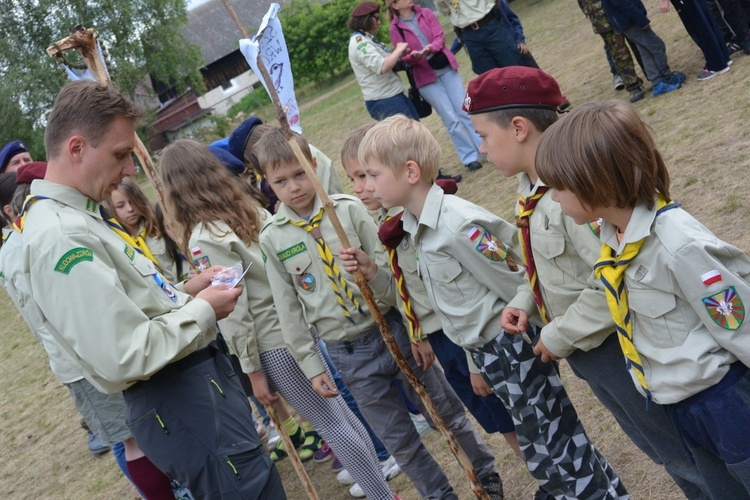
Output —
(273, 52)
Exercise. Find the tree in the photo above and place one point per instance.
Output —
(141, 36)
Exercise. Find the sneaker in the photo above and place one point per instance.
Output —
(261, 430)
(278, 451)
(707, 74)
(390, 468)
(663, 87)
(336, 465)
(733, 47)
(475, 165)
(272, 434)
(421, 424)
(345, 478)
(324, 454)
(677, 77)
(95, 446)
(493, 485)
(356, 491)
(618, 83)
(180, 492)
(313, 442)
(636, 94)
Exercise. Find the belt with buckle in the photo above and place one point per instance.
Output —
(478, 24)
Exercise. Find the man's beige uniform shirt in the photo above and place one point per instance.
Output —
(564, 255)
(469, 11)
(683, 349)
(301, 290)
(253, 326)
(102, 300)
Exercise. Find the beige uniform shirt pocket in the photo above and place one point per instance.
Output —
(651, 310)
(157, 283)
(303, 275)
(549, 246)
(447, 278)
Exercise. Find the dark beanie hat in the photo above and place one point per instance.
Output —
(512, 87)
(7, 188)
(228, 160)
(240, 135)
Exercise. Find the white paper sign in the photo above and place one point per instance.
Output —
(273, 53)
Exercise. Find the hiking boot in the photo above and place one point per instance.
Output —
(493, 485)
(618, 83)
(707, 74)
(663, 87)
(475, 165)
(636, 94)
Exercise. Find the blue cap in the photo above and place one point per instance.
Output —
(221, 143)
(228, 160)
(9, 151)
(240, 135)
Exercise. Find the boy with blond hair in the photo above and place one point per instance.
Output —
(309, 287)
(559, 256)
(470, 274)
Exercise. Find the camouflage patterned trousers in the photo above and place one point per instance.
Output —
(553, 442)
(615, 44)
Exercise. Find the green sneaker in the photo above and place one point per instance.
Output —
(313, 442)
(278, 452)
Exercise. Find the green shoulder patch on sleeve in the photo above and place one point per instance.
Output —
(292, 251)
(73, 257)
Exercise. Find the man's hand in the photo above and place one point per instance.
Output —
(197, 282)
(423, 354)
(480, 386)
(222, 299)
(522, 48)
(541, 349)
(355, 258)
(514, 320)
(323, 386)
(261, 389)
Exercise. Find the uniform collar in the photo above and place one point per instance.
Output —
(286, 214)
(525, 187)
(67, 196)
(430, 211)
(638, 228)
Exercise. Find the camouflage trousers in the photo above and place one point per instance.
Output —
(615, 44)
(554, 444)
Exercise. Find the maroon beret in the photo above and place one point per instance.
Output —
(365, 9)
(30, 171)
(512, 87)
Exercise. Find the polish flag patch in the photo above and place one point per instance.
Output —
(711, 277)
(474, 233)
(195, 250)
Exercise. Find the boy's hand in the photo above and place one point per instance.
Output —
(522, 48)
(197, 282)
(423, 354)
(323, 386)
(355, 258)
(664, 5)
(514, 320)
(260, 388)
(546, 354)
(480, 385)
(221, 298)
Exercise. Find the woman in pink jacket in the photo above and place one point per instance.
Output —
(435, 73)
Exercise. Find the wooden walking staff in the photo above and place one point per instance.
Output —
(84, 40)
(360, 279)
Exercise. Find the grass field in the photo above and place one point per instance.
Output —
(701, 130)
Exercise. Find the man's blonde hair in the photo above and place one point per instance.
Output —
(399, 139)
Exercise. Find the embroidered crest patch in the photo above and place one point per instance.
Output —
(596, 227)
(72, 258)
(165, 287)
(306, 281)
(488, 245)
(130, 252)
(726, 308)
(202, 263)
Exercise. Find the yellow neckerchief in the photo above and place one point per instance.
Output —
(138, 242)
(610, 269)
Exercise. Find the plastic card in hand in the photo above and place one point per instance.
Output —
(230, 276)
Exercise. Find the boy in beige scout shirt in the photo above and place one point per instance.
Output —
(513, 107)
(309, 288)
(119, 319)
(674, 290)
(469, 275)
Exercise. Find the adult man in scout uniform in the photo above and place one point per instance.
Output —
(13, 155)
(146, 338)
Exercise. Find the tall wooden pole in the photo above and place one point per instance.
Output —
(362, 282)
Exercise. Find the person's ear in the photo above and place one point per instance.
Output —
(9, 212)
(413, 172)
(74, 147)
(520, 128)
